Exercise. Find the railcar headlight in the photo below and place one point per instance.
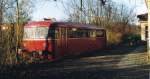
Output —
(19, 51)
(40, 52)
(24, 44)
(44, 44)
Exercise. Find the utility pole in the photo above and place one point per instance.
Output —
(17, 28)
(81, 5)
(148, 41)
(148, 5)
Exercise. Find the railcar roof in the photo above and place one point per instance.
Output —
(76, 25)
(60, 24)
(38, 23)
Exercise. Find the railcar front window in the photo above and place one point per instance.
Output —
(92, 33)
(36, 32)
(77, 33)
(53, 33)
(99, 33)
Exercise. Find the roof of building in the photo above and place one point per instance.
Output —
(143, 17)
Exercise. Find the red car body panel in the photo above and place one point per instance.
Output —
(37, 45)
(38, 23)
(62, 45)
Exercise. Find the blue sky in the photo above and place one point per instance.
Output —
(52, 9)
(139, 5)
(48, 9)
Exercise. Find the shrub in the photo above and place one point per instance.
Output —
(131, 39)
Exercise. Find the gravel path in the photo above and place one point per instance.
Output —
(119, 63)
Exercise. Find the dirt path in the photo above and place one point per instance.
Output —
(119, 63)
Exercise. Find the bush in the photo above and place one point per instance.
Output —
(114, 38)
(131, 39)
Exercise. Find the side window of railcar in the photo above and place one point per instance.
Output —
(86, 33)
(99, 33)
(56, 34)
(77, 33)
(81, 33)
(53, 33)
(92, 33)
(71, 32)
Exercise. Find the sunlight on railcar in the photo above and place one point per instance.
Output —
(74, 29)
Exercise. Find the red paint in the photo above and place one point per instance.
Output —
(38, 23)
(63, 46)
(37, 45)
(77, 46)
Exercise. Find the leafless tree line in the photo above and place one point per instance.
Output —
(12, 19)
(118, 19)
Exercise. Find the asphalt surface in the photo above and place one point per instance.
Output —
(115, 63)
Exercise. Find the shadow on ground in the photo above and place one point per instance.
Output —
(121, 62)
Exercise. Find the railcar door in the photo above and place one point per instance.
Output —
(63, 40)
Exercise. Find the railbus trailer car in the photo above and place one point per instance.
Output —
(53, 40)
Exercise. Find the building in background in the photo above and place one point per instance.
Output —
(143, 19)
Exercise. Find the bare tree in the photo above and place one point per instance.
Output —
(12, 21)
(116, 18)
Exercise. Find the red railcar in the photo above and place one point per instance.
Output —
(52, 40)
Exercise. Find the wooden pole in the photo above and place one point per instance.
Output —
(148, 40)
(81, 4)
(17, 29)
